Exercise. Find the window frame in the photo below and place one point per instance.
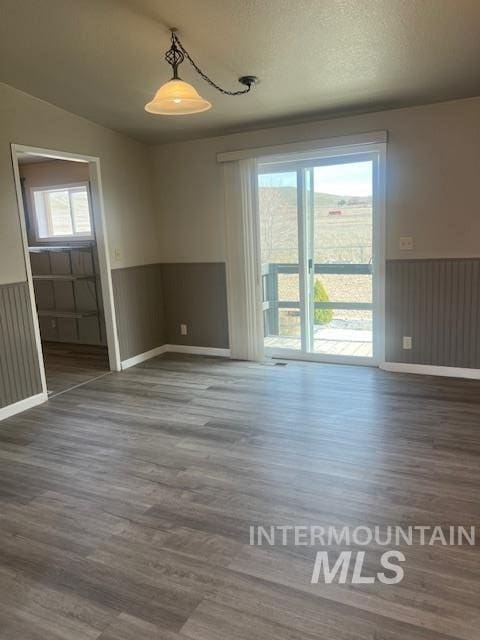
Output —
(71, 238)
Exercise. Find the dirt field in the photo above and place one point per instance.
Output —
(342, 234)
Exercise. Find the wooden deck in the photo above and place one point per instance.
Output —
(331, 347)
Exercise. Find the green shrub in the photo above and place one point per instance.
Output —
(321, 316)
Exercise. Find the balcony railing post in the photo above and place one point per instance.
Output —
(274, 317)
(270, 299)
(272, 305)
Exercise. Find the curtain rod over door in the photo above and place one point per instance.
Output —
(306, 146)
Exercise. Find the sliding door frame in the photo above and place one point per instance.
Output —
(376, 153)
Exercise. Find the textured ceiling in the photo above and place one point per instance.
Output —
(103, 59)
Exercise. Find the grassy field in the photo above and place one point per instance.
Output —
(342, 234)
(342, 227)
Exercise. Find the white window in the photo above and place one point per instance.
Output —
(63, 212)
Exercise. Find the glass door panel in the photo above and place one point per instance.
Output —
(279, 215)
(342, 323)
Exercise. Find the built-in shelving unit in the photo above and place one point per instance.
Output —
(67, 292)
(54, 313)
(78, 246)
(64, 277)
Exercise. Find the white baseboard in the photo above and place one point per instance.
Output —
(431, 370)
(175, 348)
(22, 405)
(198, 351)
(141, 357)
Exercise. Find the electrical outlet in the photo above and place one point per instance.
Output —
(183, 329)
(405, 243)
(117, 255)
(407, 342)
(53, 323)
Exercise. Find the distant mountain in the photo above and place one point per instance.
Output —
(342, 226)
(288, 197)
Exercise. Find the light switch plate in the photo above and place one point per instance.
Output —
(405, 243)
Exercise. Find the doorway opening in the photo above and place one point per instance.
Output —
(322, 254)
(61, 215)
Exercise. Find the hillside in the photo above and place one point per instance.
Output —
(289, 195)
(342, 226)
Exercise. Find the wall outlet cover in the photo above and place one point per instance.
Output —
(183, 329)
(407, 342)
(405, 243)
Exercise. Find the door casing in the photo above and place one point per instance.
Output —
(98, 213)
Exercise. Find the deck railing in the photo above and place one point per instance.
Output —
(270, 289)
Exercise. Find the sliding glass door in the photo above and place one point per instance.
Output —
(321, 255)
(278, 205)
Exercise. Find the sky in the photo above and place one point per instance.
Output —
(353, 179)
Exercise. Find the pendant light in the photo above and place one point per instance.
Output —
(176, 97)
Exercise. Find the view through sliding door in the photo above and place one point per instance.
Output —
(320, 251)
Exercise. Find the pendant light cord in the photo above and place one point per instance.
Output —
(248, 81)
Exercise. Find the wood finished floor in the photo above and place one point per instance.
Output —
(67, 365)
(125, 504)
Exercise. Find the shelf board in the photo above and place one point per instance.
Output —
(58, 247)
(53, 313)
(72, 276)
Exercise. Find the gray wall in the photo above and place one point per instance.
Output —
(196, 295)
(139, 309)
(19, 370)
(152, 301)
(437, 303)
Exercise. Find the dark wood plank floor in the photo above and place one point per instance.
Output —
(125, 504)
(67, 365)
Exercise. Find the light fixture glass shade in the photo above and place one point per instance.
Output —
(176, 98)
